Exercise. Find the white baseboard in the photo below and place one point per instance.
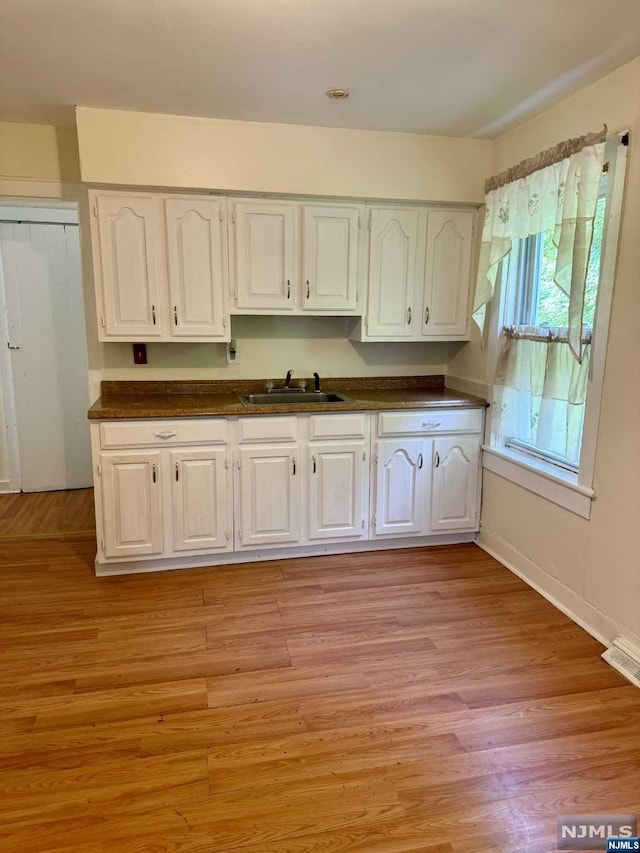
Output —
(594, 621)
(123, 567)
(5, 487)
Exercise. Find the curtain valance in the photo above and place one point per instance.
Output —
(560, 198)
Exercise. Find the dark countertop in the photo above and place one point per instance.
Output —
(189, 399)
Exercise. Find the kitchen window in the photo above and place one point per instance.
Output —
(546, 402)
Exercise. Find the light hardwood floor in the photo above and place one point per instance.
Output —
(422, 700)
(41, 513)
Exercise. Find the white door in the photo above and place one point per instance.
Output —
(448, 266)
(198, 268)
(401, 487)
(131, 503)
(331, 238)
(392, 273)
(128, 232)
(200, 500)
(45, 338)
(336, 489)
(454, 494)
(269, 496)
(263, 254)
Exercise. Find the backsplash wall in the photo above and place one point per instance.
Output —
(268, 347)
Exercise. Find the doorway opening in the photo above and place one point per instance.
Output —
(44, 397)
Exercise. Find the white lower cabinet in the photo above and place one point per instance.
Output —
(132, 503)
(269, 496)
(401, 487)
(454, 492)
(338, 474)
(203, 487)
(200, 499)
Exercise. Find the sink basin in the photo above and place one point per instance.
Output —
(277, 398)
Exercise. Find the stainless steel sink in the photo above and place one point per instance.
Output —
(279, 397)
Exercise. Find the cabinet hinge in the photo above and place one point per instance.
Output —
(99, 469)
(239, 462)
(357, 296)
(102, 322)
(240, 534)
(224, 322)
(364, 455)
(102, 544)
(366, 323)
(233, 218)
(95, 209)
(227, 535)
(369, 223)
(220, 216)
(374, 519)
(359, 221)
(226, 461)
(364, 523)
(375, 456)
(235, 295)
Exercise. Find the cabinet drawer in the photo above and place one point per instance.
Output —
(161, 433)
(261, 430)
(322, 427)
(430, 421)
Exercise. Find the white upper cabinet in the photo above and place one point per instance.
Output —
(454, 492)
(127, 263)
(448, 265)
(263, 248)
(393, 251)
(198, 266)
(161, 266)
(331, 253)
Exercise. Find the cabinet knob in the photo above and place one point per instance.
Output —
(409, 316)
(308, 288)
(175, 315)
(430, 424)
(153, 314)
(314, 464)
(288, 289)
(437, 459)
(165, 435)
(426, 316)
(420, 461)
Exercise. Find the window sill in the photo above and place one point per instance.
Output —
(552, 484)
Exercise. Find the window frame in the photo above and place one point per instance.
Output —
(572, 490)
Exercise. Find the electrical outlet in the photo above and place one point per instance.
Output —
(232, 352)
(139, 353)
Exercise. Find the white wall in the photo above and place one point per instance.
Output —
(118, 147)
(592, 567)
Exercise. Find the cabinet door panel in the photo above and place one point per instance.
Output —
(330, 260)
(197, 258)
(392, 271)
(448, 261)
(128, 234)
(132, 504)
(200, 500)
(400, 488)
(336, 483)
(264, 255)
(269, 496)
(455, 483)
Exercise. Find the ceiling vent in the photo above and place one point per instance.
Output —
(625, 658)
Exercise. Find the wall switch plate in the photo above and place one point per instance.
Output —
(139, 353)
(232, 352)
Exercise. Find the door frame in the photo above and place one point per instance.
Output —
(49, 212)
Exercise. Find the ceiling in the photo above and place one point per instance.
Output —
(447, 67)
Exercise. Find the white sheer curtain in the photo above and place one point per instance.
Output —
(560, 197)
(540, 390)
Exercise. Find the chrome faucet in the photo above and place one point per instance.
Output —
(287, 381)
